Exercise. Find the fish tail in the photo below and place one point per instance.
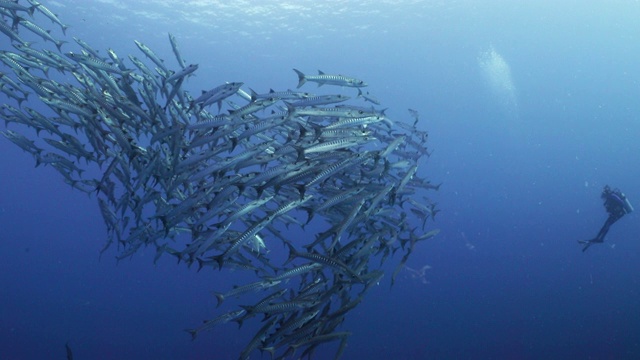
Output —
(293, 253)
(301, 190)
(310, 213)
(300, 151)
(234, 142)
(239, 321)
(200, 263)
(59, 44)
(301, 78)
(164, 220)
(271, 350)
(16, 21)
(219, 259)
(219, 297)
(260, 189)
(193, 333)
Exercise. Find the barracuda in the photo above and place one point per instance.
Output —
(215, 185)
(322, 79)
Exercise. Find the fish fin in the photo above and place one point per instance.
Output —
(310, 213)
(293, 253)
(271, 350)
(301, 78)
(219, 297)
(291, 110)
(59, 44)
(260, 189)
(234, 142)
(193, 333)
(239, 321)
(300, 151)
(219, 259)
(301, 189)
(254, 95)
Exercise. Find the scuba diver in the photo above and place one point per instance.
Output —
(617, 205)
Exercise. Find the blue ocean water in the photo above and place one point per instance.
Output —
(531, 108)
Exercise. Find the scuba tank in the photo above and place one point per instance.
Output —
(626, 204)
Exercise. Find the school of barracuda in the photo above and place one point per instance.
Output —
(218, 179)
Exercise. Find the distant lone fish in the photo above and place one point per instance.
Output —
(323, 78)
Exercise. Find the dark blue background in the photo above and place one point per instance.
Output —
(507, 278)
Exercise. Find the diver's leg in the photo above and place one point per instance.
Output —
(601, 234)
(605, 228)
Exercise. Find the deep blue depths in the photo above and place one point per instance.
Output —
(507, 279)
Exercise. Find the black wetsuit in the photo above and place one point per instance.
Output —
(614, 203)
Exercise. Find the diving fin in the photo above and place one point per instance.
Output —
(586, 243)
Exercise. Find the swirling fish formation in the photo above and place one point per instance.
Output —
(220, 178)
